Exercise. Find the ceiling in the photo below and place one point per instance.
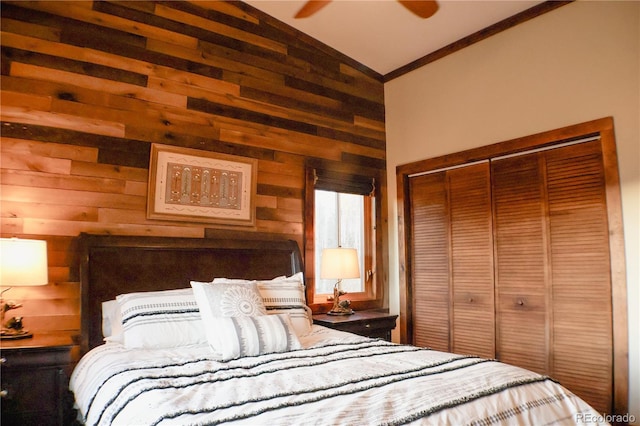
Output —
(385, 36)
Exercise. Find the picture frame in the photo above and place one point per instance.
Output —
(192, 185)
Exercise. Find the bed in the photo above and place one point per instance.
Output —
(179, 331)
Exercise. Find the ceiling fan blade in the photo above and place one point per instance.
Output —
(311, 7)
(422, 8)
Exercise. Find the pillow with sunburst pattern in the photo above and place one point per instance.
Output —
(229, 300)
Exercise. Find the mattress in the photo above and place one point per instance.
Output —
(336, 378)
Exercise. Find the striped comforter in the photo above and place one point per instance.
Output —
(338, 379)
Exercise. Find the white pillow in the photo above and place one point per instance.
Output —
(112, 322)
(282, 295)
(287, 295)
(161, 319)
(242, 336)
(228, 299)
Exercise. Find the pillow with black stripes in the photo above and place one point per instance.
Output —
(242, 336)
(161, 319)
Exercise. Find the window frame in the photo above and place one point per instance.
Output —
(365, 255)
(373, 296)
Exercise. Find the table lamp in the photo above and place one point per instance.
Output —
(339, 263)
(22, 263)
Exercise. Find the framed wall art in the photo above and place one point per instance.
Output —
(190, 185)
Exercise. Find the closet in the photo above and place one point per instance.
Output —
(514, 256)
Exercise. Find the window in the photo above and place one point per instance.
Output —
(342, 220)
(341, 212)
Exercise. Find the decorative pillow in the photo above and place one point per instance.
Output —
(112, 322)
(242, 336)
(161, 319)
(282, 295)
(226, 300)
(229, 299)
(287, 295)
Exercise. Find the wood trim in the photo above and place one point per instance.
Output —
(376, 297)
(450, 254)
(404, 261)
(602, 127)
(309, 244)
(381, 272)
(548, 278)
(467, 41)
(618, 271)
(512, 146)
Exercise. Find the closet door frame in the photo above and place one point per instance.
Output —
(602, 128)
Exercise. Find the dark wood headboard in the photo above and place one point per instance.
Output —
(113, 265)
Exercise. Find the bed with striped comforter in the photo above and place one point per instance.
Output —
(337, 379)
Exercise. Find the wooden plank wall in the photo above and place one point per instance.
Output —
(88, 86)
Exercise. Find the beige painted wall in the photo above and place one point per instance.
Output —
(578, 63)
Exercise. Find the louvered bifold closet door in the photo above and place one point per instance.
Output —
(521, 262)
(471, 261)
(451, 261)
(553, 278)
(581, 276)
(430, 261)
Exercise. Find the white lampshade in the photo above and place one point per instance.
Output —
(23, 262)
(339, 263)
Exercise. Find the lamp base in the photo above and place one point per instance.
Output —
(10, 334)
(341, 311)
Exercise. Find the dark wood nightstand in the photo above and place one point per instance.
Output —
(375, 324)
(35, 380)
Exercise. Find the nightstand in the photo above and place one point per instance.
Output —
(375, 324)
(35, 379)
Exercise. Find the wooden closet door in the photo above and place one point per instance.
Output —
(560, 297)
(582, 356)
(552, 263)
(521, 262)
(471, 261)
(430, 261)
(452, 265)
